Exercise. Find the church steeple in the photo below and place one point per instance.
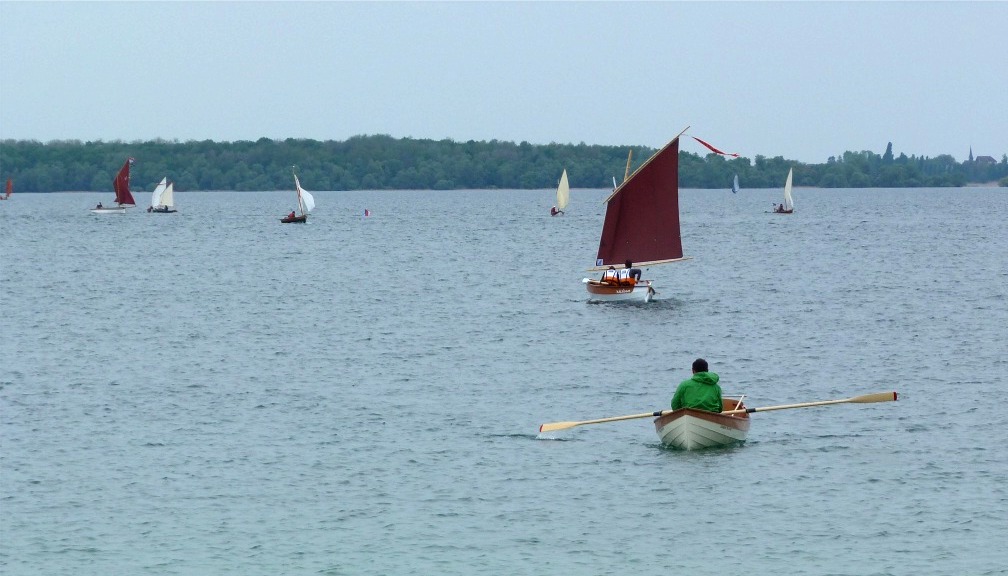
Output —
(971, 154)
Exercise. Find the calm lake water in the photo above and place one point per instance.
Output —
(212, 392)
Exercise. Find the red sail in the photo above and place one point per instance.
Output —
(10, 188)
(121, 185)
(715, 150)
(642, 215)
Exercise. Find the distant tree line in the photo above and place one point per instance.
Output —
(382, 162)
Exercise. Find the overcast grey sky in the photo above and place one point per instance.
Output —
(803, 80)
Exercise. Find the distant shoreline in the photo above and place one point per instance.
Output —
(385, 163)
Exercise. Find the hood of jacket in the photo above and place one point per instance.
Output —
(709, 378)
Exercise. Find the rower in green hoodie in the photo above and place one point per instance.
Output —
(700, 392)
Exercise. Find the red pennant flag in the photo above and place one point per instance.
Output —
(715, 150)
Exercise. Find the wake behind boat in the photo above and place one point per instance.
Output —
(641, 227)
(123, 198)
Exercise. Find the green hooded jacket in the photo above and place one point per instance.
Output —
(701, 392)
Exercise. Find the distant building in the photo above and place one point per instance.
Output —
(985, 160)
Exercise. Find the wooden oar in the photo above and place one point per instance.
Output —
(565, 425)
(877, 397)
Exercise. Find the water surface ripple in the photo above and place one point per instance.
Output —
(212, 392)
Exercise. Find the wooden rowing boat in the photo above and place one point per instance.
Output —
(690, 429)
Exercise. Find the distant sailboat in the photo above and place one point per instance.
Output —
(734, 186)
(163, 198)
(788, 206)
(306, 203)
(563, 195)
(10, 190)
(641, 226)
(123, 198)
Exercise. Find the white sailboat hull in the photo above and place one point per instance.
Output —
(603, 292)
(115, 210)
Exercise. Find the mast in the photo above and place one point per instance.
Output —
(626, 174)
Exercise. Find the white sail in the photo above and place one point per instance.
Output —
(735, 187)
(788, 203)
(563, 192)
(158, 193)
(309, 201)
(168, 197)
(305, 200)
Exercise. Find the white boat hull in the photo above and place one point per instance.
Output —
(690, 429)
(115, 210)
(602, 292)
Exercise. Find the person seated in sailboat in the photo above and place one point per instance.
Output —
(98, 206)
(554, 211)
(610, 276)
(291, 215)
(629, 275)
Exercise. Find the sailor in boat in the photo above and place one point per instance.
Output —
(98, 206)
(701, 391)
(610, 276)
(629, 274)
(291, 216)
(554, 211)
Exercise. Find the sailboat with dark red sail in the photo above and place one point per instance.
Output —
(123, 198)
(10, 189)
(641, 229)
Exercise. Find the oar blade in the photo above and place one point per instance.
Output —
(877, 397)
(554, 426)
